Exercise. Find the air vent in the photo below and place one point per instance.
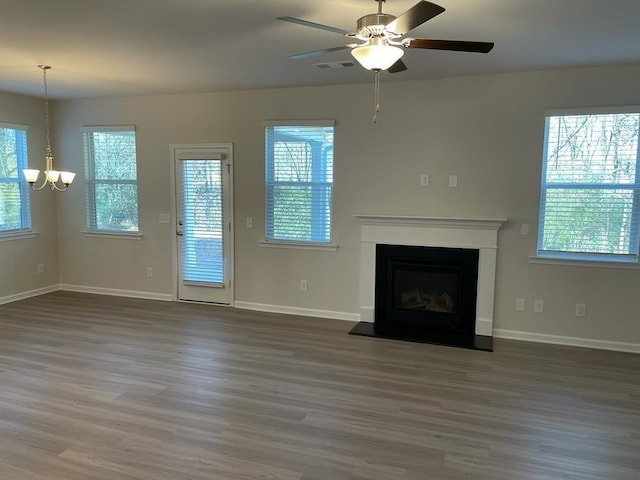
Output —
(335, 65)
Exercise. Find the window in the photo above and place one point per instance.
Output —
(590, 198)
(15, 215)
(111, 179)
(299, 182)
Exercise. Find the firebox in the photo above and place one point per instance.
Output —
(426, 294)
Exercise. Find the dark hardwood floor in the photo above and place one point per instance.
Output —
(106, 388)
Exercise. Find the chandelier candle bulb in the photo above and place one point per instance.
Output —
(31, 175)
(52, 176)
(67, 177)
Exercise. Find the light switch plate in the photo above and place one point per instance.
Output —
(165, 218)
(453, 180)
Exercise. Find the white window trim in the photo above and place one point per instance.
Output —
(17, 235)
(115, 234)
(576, 262)
(107, 128)
(298, 245)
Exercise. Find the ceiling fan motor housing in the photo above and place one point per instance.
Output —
(374, 25)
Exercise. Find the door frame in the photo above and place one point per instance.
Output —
(174, 149)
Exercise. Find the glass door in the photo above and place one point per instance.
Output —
(204, 226)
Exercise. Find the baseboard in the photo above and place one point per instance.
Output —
(306, 312)
(568, 341)
(117, 292)
(29, 294)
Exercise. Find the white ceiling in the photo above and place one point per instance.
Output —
(139, 47)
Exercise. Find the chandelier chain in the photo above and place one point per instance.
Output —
(46, 109)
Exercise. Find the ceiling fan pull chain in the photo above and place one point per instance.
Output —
(376, 96)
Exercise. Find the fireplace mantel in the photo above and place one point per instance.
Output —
(443, 222)
(477, 233)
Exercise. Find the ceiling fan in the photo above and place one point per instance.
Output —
(382, 36)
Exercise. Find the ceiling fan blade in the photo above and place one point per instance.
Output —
(306, 23)
(320, 52)
(456, 45)
(415, 16)
(399, 66)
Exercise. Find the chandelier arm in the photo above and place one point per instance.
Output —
(44, 184)
(54, 186)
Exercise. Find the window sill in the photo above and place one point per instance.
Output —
(118, 235)
(327, 247)
(571, 262)
(6, 237)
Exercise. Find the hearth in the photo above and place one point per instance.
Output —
(426, 294)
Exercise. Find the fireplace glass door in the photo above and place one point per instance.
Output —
(425, 288)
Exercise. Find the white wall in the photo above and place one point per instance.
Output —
(486, 129)
(19, 258)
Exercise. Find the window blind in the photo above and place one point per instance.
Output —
(299, 182)
(590, 195)
(203, 221)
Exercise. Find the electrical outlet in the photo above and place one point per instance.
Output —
(149, 272)
(524, 229)
(453, 180)
(538, 306)
(249, 222)
(41, 268)
(581, 310)
(164, 218)
(520, 306)
(304, 286)
(424, 180)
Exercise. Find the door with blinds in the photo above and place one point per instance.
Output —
(204, 229)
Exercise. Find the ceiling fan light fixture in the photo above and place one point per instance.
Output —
(377, 55)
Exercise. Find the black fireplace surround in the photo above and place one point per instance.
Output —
(426, 294)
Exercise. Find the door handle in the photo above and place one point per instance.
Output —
(179, 233)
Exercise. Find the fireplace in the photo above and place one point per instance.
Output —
(458, 318)
(425, 292)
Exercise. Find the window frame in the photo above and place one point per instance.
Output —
(22, 162)
(92, 228)
(622, 260)
(318, 224)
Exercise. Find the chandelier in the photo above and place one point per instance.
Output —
(55, 179)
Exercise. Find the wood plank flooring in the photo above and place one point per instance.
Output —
(106, 388)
